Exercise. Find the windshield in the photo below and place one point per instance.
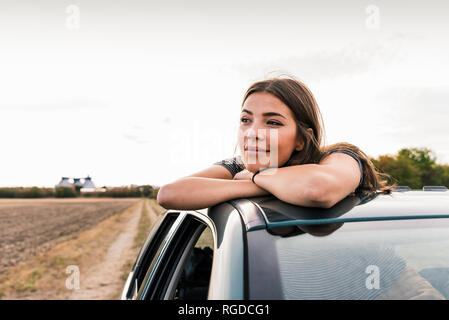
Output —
(401, 259)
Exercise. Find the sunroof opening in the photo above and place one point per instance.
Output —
(276, 210)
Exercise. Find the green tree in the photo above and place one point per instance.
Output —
(413, 167)
(64, 192)
(425, 161)
(401, 169)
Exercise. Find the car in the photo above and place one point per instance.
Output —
(375, 246)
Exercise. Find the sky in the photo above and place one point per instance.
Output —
(145, 92)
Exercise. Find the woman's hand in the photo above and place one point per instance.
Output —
(243, 175)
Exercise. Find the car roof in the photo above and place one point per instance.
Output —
(268, 211)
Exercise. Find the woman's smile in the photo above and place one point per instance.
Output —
(255, 150)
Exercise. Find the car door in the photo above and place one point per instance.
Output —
(181, 262)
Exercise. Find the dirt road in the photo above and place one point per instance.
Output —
(102, 281)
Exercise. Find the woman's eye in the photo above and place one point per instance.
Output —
(245, 120)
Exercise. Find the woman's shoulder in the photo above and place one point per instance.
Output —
(233, 164)
(347, 148)
(343, 147)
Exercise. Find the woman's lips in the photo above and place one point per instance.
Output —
(256, 151)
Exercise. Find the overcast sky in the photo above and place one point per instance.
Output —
(144, 92)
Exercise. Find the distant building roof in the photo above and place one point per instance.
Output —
(64, 183)
(88, 183)
(67, 183)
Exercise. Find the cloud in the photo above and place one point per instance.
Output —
(418, 104)
(418, 116)
(58, 105)
(136, 138)
(354, 58)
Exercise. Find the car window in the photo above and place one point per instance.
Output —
(194, 280)
(403, 259)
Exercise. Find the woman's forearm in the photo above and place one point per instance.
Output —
(193, 193)
(299, 185)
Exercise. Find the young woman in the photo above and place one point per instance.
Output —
(279, 139)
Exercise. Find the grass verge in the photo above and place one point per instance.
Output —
(150, 212)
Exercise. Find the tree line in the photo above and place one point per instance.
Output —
(413, 167)
(72, 192)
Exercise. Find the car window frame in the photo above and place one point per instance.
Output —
(152, 244)
(185, 217)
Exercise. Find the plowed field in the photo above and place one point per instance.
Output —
(29, 226)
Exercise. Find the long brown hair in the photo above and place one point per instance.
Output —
(297, 96)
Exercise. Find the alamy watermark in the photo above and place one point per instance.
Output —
(73, 280)
(73, 19)
(372, 21)
(373, 280)
(195, 146)
(268, 153)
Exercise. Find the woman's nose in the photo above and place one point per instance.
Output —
(256, 132)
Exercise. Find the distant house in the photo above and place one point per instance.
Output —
(64, 183)
(84, 184)
(88, 185)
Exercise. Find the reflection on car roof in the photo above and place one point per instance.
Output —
(398, 205)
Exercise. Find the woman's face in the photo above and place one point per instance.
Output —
(267, 132)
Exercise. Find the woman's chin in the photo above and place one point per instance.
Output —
(253, 165)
